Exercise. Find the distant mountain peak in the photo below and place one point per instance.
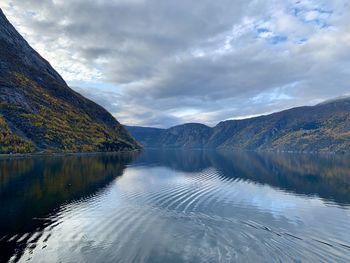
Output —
(342, 98)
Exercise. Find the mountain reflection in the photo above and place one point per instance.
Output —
(43, 197)
(327, 176)
(31, 189)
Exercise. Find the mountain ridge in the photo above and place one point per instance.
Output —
(39, 112)
(324, 127)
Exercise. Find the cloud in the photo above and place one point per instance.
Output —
(169, 62)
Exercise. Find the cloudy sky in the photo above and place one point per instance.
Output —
(164, 62)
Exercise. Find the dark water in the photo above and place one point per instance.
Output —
(176, 206)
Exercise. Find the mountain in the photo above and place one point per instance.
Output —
(321, 128)
(148, 135)
(335, 100)
(39, 112)
(189, 135)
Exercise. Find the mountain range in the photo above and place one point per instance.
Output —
(321, 128)
(40, 113)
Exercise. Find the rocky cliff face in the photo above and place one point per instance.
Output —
(322, 128)
(39, 112)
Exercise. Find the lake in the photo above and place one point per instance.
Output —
(175, 206)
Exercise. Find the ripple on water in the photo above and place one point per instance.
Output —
(191, 217)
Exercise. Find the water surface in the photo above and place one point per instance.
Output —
(175, 206)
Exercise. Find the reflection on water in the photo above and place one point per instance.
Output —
(32, 191)
(176, 206)
(327, 176)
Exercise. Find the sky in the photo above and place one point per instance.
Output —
(161, 63)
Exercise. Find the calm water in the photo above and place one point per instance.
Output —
(173, 206)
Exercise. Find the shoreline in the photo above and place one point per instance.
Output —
(247, 150)
(58, 154)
